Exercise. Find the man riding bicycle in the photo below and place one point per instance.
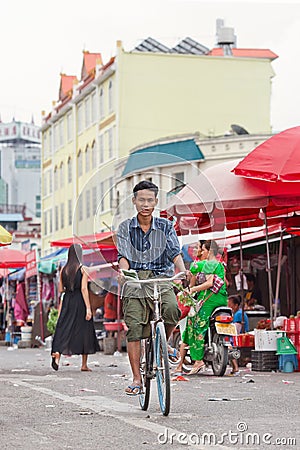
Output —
(150, 246)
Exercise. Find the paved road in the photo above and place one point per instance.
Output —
(42, 409)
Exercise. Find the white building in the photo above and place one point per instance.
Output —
(20, 168)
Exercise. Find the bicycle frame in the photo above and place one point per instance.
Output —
(156, 349)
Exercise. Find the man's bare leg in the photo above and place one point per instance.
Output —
(134, 353)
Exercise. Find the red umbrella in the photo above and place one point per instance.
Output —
(276, 159)
(228, 199)
(234, 202)
(96, 240)
(10, 258)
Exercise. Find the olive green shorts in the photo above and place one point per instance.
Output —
(138, 310)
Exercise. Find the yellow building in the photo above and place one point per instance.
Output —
(137, 97)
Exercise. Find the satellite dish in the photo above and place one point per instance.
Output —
(237, 129)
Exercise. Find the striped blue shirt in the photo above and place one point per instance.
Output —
(154, 250)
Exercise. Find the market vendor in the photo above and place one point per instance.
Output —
(253, 294)
(234, 302)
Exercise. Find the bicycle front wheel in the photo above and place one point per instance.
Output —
(162, 371)
(145, 368)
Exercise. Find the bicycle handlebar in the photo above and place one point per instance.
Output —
(178, 276)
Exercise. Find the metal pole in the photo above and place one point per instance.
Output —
(242, 281)
(278, 273)
(268, 269)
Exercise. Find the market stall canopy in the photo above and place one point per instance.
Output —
(10, 258)
(216, 194)
(96, 240)
(5, 237)
(276, 159)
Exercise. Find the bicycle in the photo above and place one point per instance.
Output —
(154, 361)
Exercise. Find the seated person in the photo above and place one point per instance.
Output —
(253, 294)
(110, 305)
(234, 302)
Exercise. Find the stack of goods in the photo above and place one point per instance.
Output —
(264, 358)
(292, 328)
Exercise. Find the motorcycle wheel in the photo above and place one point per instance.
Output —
(219, 363)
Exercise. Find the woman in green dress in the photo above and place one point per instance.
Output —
(197, 325)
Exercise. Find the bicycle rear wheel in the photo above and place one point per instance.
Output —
(163, 371)
(146, 363)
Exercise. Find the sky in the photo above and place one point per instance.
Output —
(41, 39)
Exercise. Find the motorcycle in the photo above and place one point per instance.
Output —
(218, 349)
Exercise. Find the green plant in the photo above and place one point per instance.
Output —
(52, 320)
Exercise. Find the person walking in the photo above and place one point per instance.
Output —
(75, 332)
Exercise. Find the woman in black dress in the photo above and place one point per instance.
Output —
(75, 332)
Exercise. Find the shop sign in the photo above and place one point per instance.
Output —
(31, 266)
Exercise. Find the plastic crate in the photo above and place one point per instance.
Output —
(243, 340)
(264, 361)
(266, 340)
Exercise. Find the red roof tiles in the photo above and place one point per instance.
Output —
(66, 85)
(245, 53)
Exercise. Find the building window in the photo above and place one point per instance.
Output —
(61, 132)
(87, 110)
(87, 159)
(80, 117)
(55, 179)
(45, 224)
(50, 222)
(70, 212)
(80, 208)
(38, 206)
(50, 182)
(94, 200)
(101, 103)
(101, 196)
(69, 170)
(62, 215)
(110, 96)
(69, 126)
(118, 203)
(45, 146)
(101, 148)
(55, 137)
(111, 192)
(94, 109)
(79, 163)
(62, 177)
(94, 155)
(56, 218)
(110, 143)
(45, 190)
(88, 203)
(178, 179)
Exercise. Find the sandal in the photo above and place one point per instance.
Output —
(133, 390)
(173, 356)
(196, 370)
(54, 363)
